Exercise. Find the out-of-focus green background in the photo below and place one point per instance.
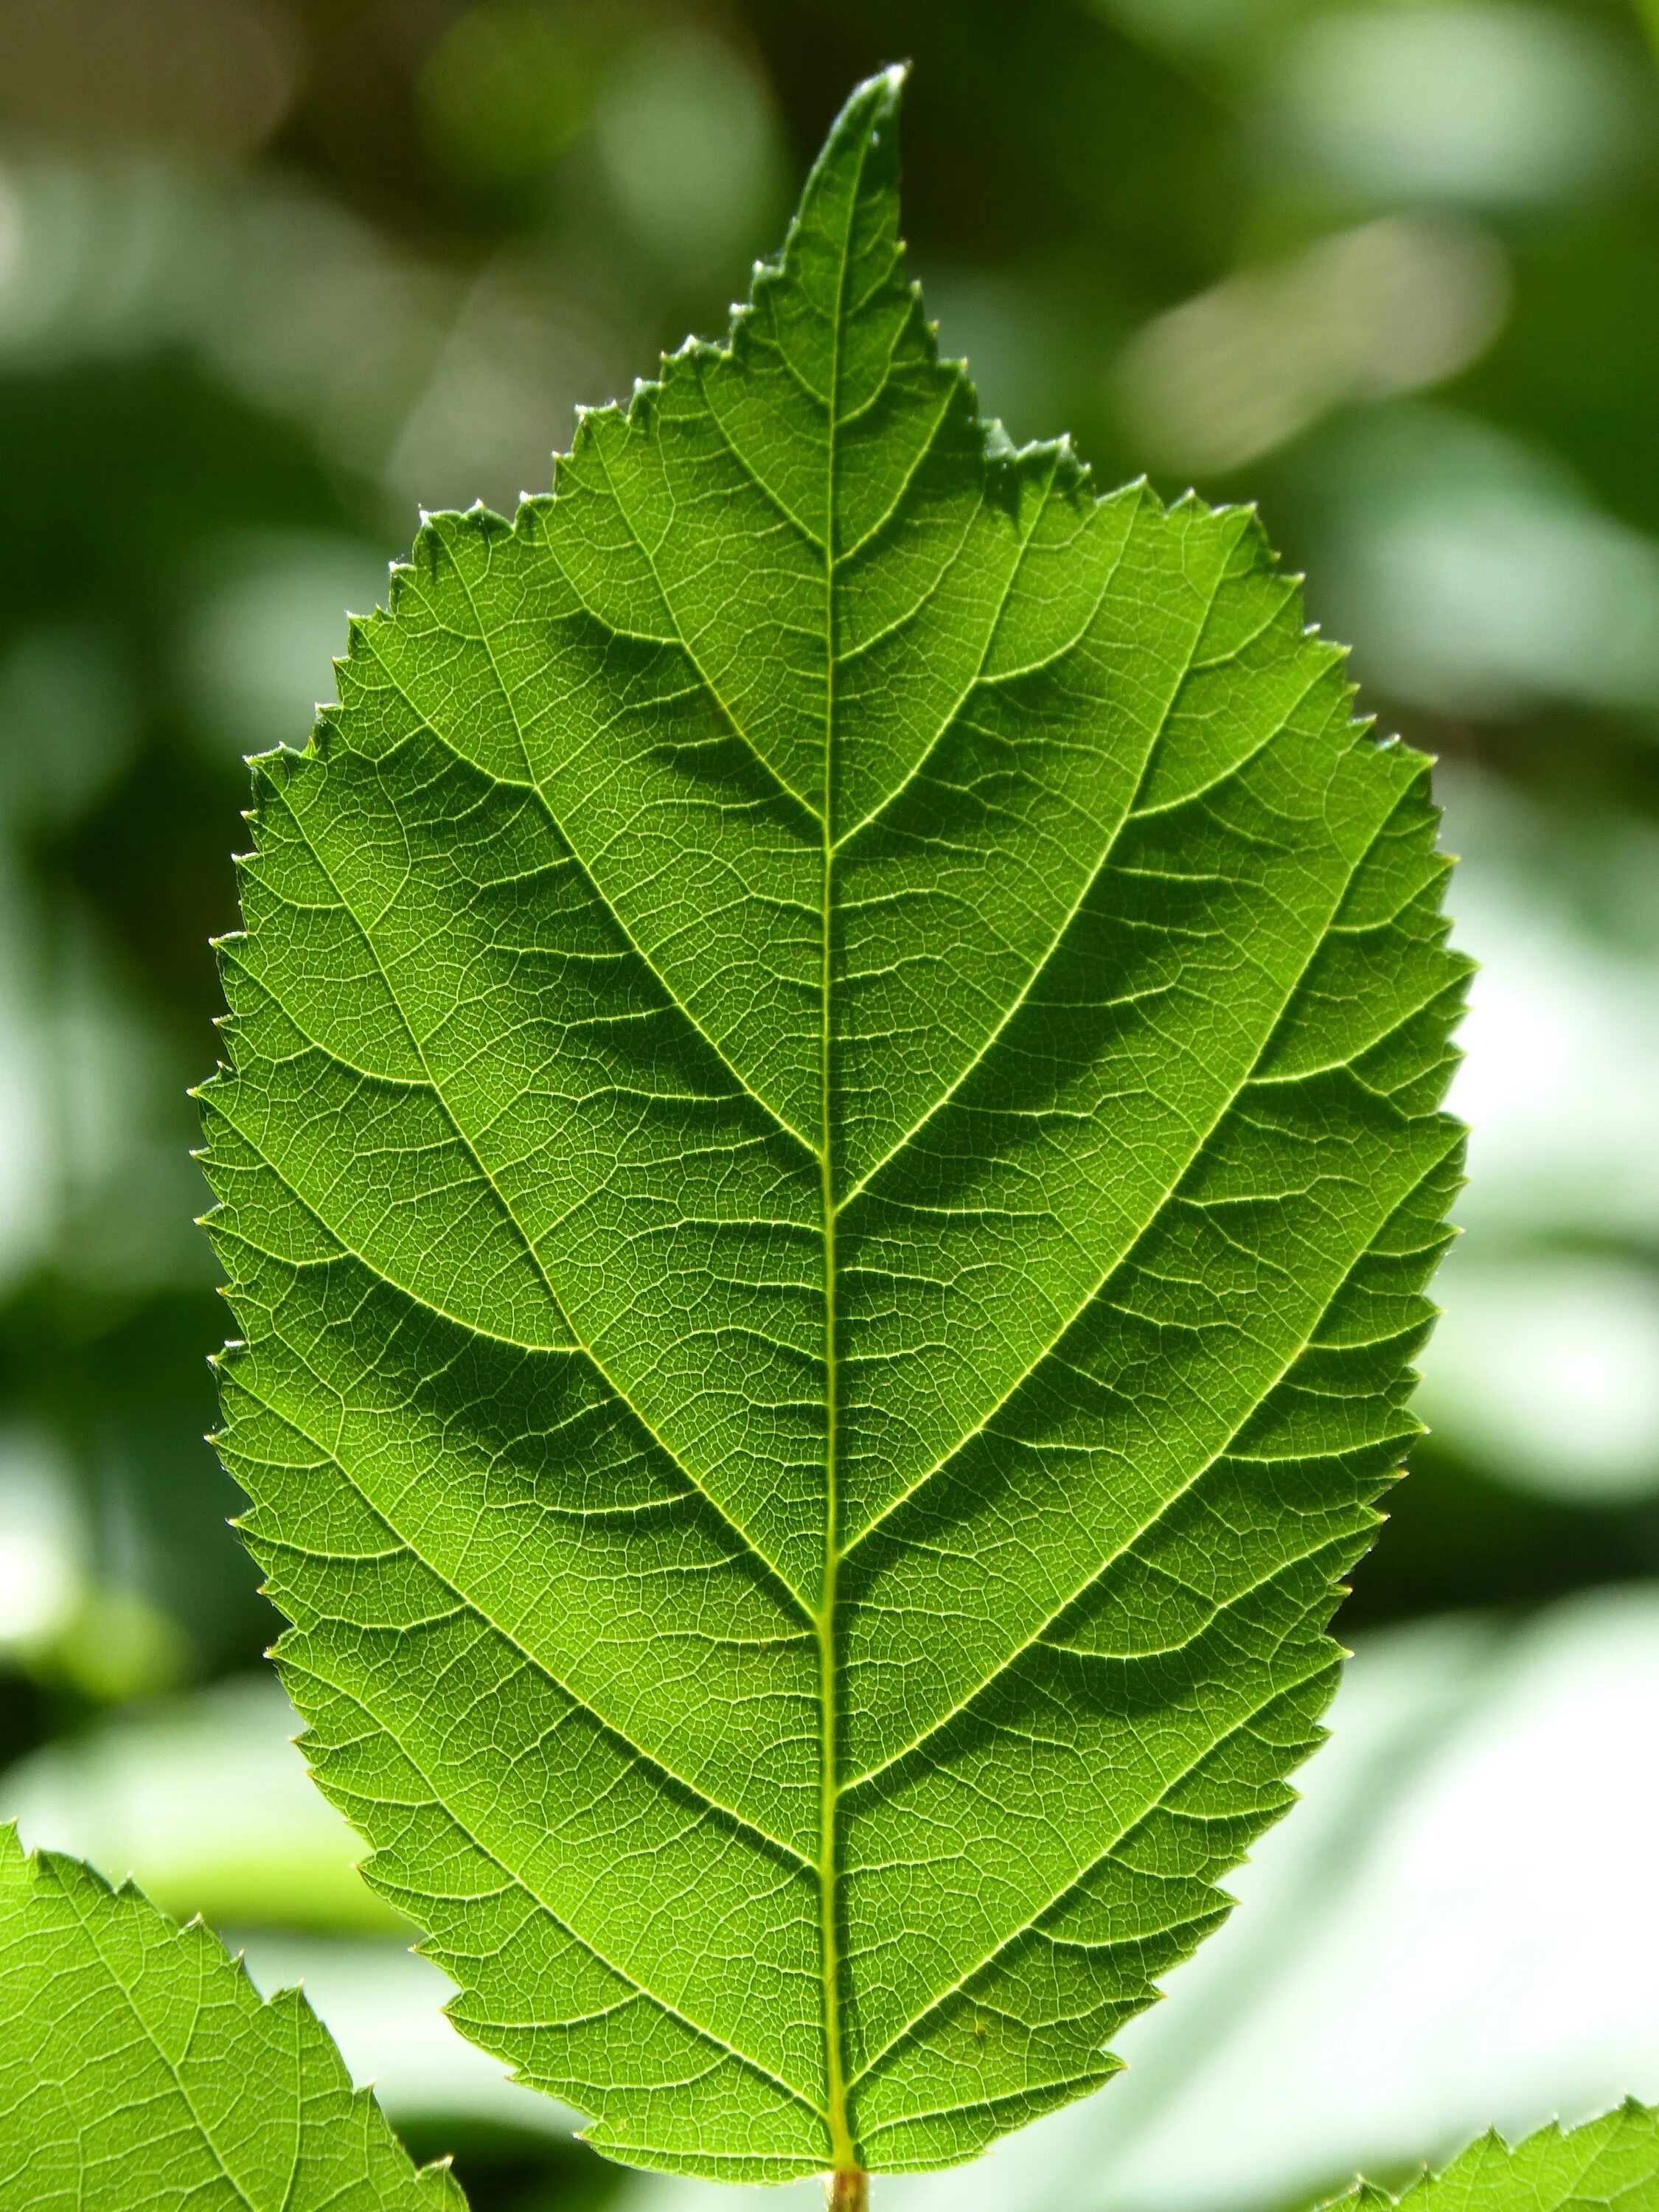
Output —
(275, 273)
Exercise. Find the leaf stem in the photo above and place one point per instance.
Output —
(848, 2189)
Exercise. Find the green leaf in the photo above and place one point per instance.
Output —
(139, 2066)
(1608, 2165)
(831, 1160)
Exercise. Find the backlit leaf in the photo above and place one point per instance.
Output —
(142, 2071)
(1608, 2165)
(831, 1159)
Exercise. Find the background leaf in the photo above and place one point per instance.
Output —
(140, 2066)
(1608, 2165)
(831, 1161)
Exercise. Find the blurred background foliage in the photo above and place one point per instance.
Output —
(275, 273)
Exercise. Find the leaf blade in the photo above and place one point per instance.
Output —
(1610, 2164)
(832, 1157)
(139, 2065)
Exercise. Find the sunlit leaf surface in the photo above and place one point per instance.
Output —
(831, 1161)
(1609, 2165)
(142, 2071)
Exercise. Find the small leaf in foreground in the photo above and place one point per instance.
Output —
(1607, 2165)
(140, 2068)
(831, 1159)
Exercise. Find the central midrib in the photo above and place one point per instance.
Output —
(843, 2150)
